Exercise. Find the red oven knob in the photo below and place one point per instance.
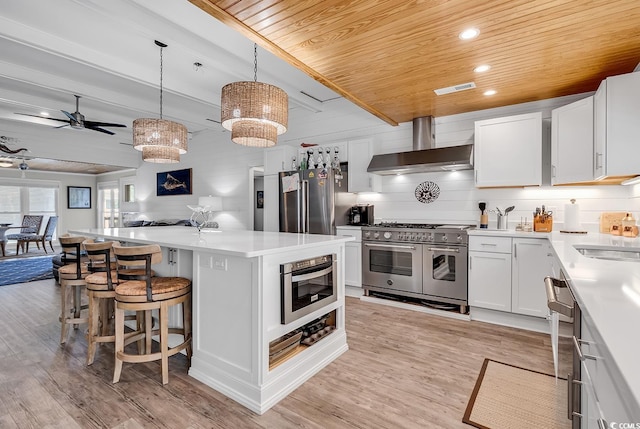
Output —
(376, 235)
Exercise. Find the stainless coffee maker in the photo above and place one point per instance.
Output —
(361, 214)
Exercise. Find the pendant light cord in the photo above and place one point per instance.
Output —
(161, 82)
(255, 62)
(161, 45)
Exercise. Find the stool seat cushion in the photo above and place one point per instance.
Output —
(101, 265)
(159, 286)
(71, 270)
(98, 281)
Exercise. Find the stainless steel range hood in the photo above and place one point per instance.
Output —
(425, 156)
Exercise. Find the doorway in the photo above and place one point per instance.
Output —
(256, 198)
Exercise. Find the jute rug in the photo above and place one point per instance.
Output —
(506, 396)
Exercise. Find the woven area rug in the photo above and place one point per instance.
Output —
(506, 396)
(22, 270)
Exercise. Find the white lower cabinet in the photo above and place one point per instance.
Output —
(532, 261)
(490, 280)
(353, 256)
(507, 274)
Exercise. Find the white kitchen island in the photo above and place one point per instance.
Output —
(236, 306)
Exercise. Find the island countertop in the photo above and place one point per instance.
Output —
(242, 243)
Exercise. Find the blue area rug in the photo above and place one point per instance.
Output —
(22, 270)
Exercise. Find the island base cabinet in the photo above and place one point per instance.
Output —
(236, 314)
(605, 397)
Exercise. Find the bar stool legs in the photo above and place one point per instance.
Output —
(71, 306)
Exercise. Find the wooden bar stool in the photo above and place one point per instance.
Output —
(146, 293)
(101, 293)
(72, 283)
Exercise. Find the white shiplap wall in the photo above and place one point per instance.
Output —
(458, 201)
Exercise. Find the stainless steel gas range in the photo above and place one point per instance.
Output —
(423, 261)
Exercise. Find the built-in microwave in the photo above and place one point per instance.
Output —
(306, 286)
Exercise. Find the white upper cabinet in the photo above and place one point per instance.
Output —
(360, 153)
(616, 126)
(572, 142)
(279, 158)
(508, 151)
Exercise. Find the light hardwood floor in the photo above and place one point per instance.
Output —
(404, 369)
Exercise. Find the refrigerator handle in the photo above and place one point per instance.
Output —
(305, 207)
(299, 209)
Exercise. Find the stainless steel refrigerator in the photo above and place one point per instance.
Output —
(314, 201)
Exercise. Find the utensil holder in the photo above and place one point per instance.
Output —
(542, 223)
(503, 221)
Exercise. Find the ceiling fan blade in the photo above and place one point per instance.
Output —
(69, 115)
(102, 124)
(44, 117)
(102, 130)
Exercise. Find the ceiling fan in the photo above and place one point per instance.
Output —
(76, 120)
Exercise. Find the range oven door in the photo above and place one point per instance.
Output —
(393, 266)
(445, 271)
(307, 286)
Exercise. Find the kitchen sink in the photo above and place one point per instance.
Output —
(609, 254)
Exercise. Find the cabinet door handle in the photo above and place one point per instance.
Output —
(598, 160)
(570, 396)
(470, 263)
(515, 250)
(553, 171)
(582, 356)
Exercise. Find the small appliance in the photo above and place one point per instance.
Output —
(361, 214)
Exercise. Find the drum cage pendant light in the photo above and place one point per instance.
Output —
(160, 140)
(255, 112)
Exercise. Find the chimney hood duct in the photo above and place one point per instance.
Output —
(424, 157)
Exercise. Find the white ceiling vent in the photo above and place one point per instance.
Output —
(455, 88)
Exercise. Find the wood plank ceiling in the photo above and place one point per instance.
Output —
(388, 56)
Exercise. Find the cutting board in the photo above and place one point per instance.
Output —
(609, 218)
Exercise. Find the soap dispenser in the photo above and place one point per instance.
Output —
(629, 228)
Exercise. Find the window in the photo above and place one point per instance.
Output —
(17, 200)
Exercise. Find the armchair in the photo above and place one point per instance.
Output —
(47, 235)
(30, 227)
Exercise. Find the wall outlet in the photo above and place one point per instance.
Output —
(220, 264)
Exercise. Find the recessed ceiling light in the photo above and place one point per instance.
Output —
(5, 162)
(469, 33)
(482, 68)
(490, 92)
(44, 113)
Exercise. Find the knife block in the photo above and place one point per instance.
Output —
(543, 223)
